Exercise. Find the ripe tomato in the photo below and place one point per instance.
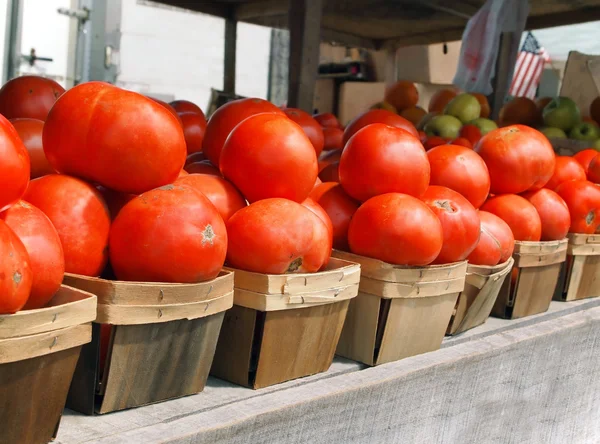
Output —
(461, 141)
(462, 170)
(339, 207)
(593, 174)
(44, 249)
(423, 137)
(268, 155)
(331, 173)
(317, 183)
(518, 158)
(29, 96)
(327, 120)
(378, 116)
(137, 144)
(169, 234)
(115, 200)
(381, 159)
(460, 223)
(222, 194)
(193, 122)
(30, 132)
(566, 168)
(434, 141)
(329, 157)
(272, 236)
(496, 242)
(203, 167)
(470, 132)
(14, 165)
(396, 228)
(169, 108)
(553, 212)
(16, 276)
(182, 173)
(333, 139)
(520, 215)
(80, 216)
(226, 118)
(583, 199)
(198, 156)
(585, 157)
(310, 126)
(323, 234)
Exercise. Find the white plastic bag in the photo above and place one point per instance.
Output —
(481, 41)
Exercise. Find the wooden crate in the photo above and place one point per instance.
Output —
(162, 341)
(533, 280)
(580, 277)
(475, 302)
(399, 311)
(38, 353)
(284, 327)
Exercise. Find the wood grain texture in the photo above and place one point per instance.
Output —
(359, 335)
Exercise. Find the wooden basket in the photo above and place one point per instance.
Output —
(476, 301)
(580, 277)
(399, 311)
(38, 353)
(284, 327)
(162, 341)
(533, 281)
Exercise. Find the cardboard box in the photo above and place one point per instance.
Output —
(428, 63)
(581, 81)
(357, 97)
(324, 101)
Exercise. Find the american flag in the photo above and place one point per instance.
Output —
(529, 67)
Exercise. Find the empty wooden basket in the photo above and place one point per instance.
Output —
(475, 302)
(38, 353)
(284, 327)
(533, 280)
(399, 311)
(580, 277)
(161, 343)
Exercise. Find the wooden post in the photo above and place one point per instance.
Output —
(305, 36)
(230, 54)
(391, 65)
(505, 66)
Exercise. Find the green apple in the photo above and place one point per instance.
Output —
(464, 107)
(425, 120)
(562, 113)
(553, 133)
(584, 131)
(484, 125)
(444, 126)
(596, 145)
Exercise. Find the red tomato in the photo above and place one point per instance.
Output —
(30, 132)
(137, 144)
(583, 199)
(333, 139)
(496, 242)
(16, 276)
(520, 215)
(460, 223)
(193, 122)
(268, 155)
(169, 108)
(462, 170)
(317, 182)
(310, 126)
(331, 173)
(553, 212)
(114, 200)
(518, 158)
(461, 141)
(585, 157)
(423, 137)
(381, 159)
(273, 236)
(339, 207)
(14, 165)
(169, 234)
(203, 167)
(434, 141)
(323, 234)
(593, 174)
(327, 120)
(222, 194)
(226, 118)
(29, 96)
(44, 249)
(80, 216)
(470, 132)
(396, 228)
(566, 168)
(378, 116)
(329, 157)
(198, 156)
(182, 173)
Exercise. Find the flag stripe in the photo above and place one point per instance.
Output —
(528, 68)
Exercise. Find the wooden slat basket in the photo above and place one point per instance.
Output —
(399, 311)
(580, 277)
(38, 353)
(533, 280)
(475, 302)
(161, 342)
(284, 327)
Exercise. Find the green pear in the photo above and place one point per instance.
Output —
(464, 107)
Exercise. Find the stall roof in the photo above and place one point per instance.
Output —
(384, 23)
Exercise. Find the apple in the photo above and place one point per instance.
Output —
(464, 107)
(444, 126)
(562, 113)
(484, 125)
(553, 133)
(584, 131)
(425, 120)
